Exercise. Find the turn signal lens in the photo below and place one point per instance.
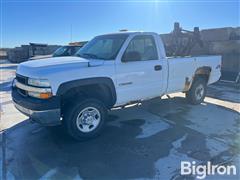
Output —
(45, 95)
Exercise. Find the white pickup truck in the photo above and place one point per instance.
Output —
(109, 71)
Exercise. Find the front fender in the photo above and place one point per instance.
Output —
(66, 86)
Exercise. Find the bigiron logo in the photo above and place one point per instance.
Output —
(201, 171)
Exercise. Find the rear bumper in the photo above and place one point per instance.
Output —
(45, 112)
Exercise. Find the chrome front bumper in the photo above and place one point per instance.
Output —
(46, 117)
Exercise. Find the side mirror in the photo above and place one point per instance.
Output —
(131, 56)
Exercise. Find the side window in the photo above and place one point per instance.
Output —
(141, 48)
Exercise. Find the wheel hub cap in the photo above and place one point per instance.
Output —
(199, 92)
(88, 119)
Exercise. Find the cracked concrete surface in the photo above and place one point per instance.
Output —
(146, 141)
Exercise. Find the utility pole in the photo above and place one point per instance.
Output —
(71, 33)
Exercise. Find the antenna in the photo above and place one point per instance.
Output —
(71, 33)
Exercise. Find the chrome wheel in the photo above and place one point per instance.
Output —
(88, 119)
(199, 92)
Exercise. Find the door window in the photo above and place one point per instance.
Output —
(141, 48)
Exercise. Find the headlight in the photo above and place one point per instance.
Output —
(39, 82)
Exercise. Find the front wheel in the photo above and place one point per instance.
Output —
(197, 92)
(85, 119)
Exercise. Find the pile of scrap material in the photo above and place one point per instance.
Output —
(3, 53)
(80, 43)
(23, 53)
(180, 42)
(219, 41)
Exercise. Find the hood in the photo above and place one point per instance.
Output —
(40, 67)
(54, 61)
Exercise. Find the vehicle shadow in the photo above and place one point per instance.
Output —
(35, 152)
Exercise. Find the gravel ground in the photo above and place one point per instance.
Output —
(146, 141)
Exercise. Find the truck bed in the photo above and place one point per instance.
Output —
(182, 70)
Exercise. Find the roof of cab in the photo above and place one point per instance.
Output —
(130, 32)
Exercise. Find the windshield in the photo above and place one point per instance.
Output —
(103, 47)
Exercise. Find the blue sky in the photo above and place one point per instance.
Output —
(50, 21)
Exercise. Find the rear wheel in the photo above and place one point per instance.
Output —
(85, 119)
(197, 92)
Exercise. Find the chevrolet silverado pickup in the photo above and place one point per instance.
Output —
(111, 70)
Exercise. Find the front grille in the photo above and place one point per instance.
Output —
(22, 92)
(22, 79)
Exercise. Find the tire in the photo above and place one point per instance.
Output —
(197, 92)
(85, 119)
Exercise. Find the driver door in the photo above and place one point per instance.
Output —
(139, 74)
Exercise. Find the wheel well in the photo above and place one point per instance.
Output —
(98, 91)
(203, 73)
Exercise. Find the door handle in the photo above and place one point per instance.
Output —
(158, 68)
